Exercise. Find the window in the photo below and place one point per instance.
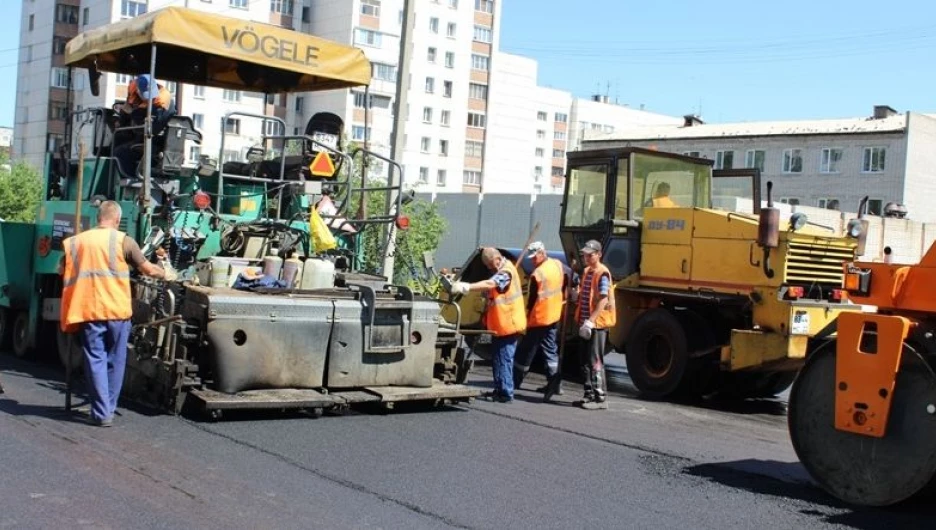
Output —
(69, 14)
(32, 22)
(453, 4)
(360, 133)
(359, 99)
(370, 7)
(753, 158)
(480, 62)
(434, 25)
(828, 204)
(558, 153)
(485, 6)
(58, 111)
(873, 160)
(558, 171)
(450, 30)
(476, 91)
(724, 159)
(829, 160)
(541, 116)
(424, 144)
(194, 153)
(559, 135)
(198, 92)
(60, 78)
(431, 55)
(367, 37)
(474, 149)
(449, 60)
(423, 174)
(58, 45)
(283, 7)
(693, 153)
(540, 134)
(430, 85)
(241, 4)
(198, 120)
(447, 89)
(273, 128)
(232, 126)
(482, 34)
(172, 87)
(472, 178)
(385, 72)
(427, 114)
(537, 172)
(561, 118)
(443, 147)
(123, 79)
(476, 120)
(790, 200)
(54, 142)
(445, 118)
(875, 207)
(85, 15)
(306, 14)
(440, 177)
(233, 96)
(792, 160)
(540, 152)
(231, 155)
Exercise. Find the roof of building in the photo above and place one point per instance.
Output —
(894, 123)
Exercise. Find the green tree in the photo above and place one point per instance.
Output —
(20, 191)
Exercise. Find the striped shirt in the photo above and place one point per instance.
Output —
(604, 287)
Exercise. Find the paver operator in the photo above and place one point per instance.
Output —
(96, 303)
(504, 316)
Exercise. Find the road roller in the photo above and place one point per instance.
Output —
(862, 412)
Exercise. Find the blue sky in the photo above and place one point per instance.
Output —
(732, 60)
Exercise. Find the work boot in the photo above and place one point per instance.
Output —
(595, 405)
(557, 390)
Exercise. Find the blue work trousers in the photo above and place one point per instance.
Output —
(536, 339)
(502, 356)
(104, 344)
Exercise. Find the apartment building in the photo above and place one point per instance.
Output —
(6, 140)
(888, 156)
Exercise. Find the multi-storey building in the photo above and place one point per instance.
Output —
(889, 157)
(476, 119)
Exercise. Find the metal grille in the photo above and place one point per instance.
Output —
(816, 263)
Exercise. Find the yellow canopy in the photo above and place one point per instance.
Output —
(212, 50)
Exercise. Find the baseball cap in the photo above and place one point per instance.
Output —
(591, 246)
(535, 247)
(144, 86)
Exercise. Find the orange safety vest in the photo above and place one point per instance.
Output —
(162, 100)
(608, 317)
(547, 310)
(664, 202)
(96, 280)
(505, 313)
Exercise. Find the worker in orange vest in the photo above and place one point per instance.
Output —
(504, 317)
(595, 314)
(141, 92)
(548, 283)
(96, 303)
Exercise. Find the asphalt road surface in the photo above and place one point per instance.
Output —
(485, 465)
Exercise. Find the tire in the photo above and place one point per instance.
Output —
(4, 327)
(657, 354)
(20, 332)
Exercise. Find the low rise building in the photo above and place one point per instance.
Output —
(833, 163)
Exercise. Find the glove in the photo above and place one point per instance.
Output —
(459, 288)
(586, 330)
(169, 272)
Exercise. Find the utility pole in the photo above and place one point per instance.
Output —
(398, 136)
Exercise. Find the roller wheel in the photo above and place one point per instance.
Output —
(69, 351)
(862, 470)
(21, 347)
(657, 354)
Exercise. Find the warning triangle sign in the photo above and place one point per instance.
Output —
(322, 166)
